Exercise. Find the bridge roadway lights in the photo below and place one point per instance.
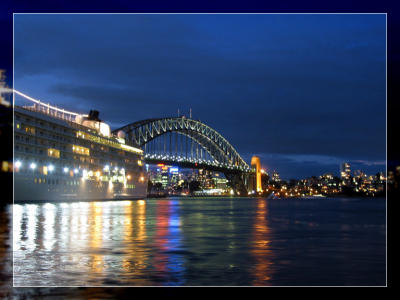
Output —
(190, 164)
(175, 160)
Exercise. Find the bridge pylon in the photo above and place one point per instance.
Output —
(255, 179)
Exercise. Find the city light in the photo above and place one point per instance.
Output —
(76, 171)
(50, 168)
(174, 170)
(66, 170)
(106, 168)
(18, 164)
(32, 166)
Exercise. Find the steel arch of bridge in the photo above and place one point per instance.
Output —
(225, 155)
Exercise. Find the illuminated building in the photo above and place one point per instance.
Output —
(220, 183)
(164, 176)
(275, 177)
(174, 176)
(61, 155)
(345, 171)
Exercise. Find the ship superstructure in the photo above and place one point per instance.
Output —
(61, 155)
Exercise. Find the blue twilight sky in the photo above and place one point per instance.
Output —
(304, 92)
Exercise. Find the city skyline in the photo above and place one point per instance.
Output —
(264, 95)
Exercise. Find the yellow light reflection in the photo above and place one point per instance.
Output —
(30, 232)
(141, 220)
(49, 223)
(96, 237)
(134, 222)
(261, 249)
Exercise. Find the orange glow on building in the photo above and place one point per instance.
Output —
(255, 163)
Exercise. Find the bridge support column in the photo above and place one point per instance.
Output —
(255, 164)
(238, 182)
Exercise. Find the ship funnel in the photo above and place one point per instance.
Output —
(94, 115)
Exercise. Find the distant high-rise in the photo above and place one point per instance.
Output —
(345, 171)
(275, 177)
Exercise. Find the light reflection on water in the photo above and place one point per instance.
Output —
(199, 242)
(261, 251)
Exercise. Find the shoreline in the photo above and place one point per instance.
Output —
(188, 198)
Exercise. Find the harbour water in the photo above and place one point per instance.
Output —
(201, 242)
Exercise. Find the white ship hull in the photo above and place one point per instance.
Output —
(60, 188)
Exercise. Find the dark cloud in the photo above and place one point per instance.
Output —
(284, 84)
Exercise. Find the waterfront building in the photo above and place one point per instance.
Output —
(220, 182)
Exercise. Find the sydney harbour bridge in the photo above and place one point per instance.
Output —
(190, 143)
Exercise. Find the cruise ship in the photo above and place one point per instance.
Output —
(61, 155)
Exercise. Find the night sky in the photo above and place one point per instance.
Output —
(304, 92)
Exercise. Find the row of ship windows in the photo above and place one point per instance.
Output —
(32, 131)
(81, 135)
(67, 182)
(52, 152)
(42, 123)
(50, 125)
(55, 181)
(75, 148)
(88, 144)
(55, 153)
